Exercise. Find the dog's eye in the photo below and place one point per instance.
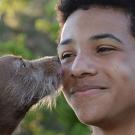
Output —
(23, 65)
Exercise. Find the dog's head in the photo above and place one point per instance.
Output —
(22, 84)
(25, 82)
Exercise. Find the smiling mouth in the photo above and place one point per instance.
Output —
(85, 89)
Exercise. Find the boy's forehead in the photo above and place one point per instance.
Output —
(98, 11)
(94, 19)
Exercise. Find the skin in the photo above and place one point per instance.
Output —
(97, 52)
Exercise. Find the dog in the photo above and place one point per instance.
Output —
(22, 84)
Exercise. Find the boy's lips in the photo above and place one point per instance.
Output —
(86, 88)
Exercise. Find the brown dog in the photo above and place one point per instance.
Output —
(22, 84)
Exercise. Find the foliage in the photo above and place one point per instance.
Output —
(27, 28)
(16, 46)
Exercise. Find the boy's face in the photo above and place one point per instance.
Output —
(97, 53)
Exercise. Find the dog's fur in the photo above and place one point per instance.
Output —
(22, 84)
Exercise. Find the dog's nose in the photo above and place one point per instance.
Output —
(50, 65)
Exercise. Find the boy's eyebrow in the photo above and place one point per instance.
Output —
(103, 36)
(66, 41)
(95, 37)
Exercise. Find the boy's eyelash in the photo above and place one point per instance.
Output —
(104, 48)
(65, 55)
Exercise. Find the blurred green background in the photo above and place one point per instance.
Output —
(29, 28)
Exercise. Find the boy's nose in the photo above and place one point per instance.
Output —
(83, 66)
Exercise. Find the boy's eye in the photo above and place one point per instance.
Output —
(105, 49)
(66, 55)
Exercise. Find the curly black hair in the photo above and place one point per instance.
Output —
(65, 8)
